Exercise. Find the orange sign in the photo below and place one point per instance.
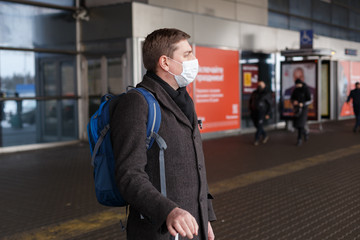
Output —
(217, 89)
(349, 74)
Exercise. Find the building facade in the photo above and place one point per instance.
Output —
(57, 58)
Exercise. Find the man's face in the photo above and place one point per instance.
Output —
(298, 74)
(357, 86)
(182, 53)
(261, 85)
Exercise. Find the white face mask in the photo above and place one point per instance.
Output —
(189, 72)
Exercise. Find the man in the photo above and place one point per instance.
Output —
(301, 99)
(355, 96)
(260, 107)
(187, 209)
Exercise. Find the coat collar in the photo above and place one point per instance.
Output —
(164, 99)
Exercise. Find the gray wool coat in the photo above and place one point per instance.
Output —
(137, 170)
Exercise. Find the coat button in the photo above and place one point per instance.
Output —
(199, 167)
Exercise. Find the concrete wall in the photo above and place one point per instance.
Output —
(220, 32)
(251, 11)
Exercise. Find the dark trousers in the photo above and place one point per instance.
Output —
(259, 124)
(301, 132)
(357, 119)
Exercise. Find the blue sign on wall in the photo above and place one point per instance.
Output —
(306, 39)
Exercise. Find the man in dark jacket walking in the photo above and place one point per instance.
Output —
(355, 96)
(301, 99)
(260, 107)
(187, 208)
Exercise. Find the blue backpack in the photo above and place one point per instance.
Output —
(102, 157)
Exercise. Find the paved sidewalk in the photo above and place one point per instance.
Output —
(272, 191)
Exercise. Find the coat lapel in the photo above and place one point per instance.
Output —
(164, 99)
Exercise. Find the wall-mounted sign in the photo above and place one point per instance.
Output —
(352, 52)
(250, 73)
(306, 39)
(217, 96)
(305, 71)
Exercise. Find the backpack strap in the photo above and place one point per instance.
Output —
(152, 128)
(98, 143)
(154, 116)
(162, 145)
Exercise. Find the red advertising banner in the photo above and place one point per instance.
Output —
(217, 89)
(250, 75)
(349, 74)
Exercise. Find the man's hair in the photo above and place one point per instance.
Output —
(357, 83)
(161, 42)
(299, 69)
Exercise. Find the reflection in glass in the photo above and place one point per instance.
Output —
(94, 78)
(278, 20)
(300, 7)
(17, 73)
(25, 119)
(68, 79)
(66, 3)
(263, 69)
(18, 122)
(51, 121)
(49, 79)
(115, 73)
(36, 27)
(68, 120)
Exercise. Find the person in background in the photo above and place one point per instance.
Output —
(301, 99)
(355, 96)
(260, 108)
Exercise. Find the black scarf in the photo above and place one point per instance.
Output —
(180, 96)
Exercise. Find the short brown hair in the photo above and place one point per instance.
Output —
(161, 42)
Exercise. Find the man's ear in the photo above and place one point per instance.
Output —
(164, 63)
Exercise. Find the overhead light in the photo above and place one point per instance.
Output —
(253, 60)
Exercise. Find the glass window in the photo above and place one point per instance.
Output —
(68, 119)
(68, 79)
(341, 33)
(300, 7)
(339, 15)
(94, 78)
(321, 11)
(280, 5)
(255, 67)
(354, 4)
(322, 29)
(17, 73)
(67, 3)
(50, 130)
(354, 20)
(26, 119)
(354, 36)
(278, 20)
(49, 79)
(341, 2)
(299, 24)
(115, 74)
(35, 27)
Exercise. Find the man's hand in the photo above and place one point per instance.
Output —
(182, 222)
(267, 117)
(211, 235)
